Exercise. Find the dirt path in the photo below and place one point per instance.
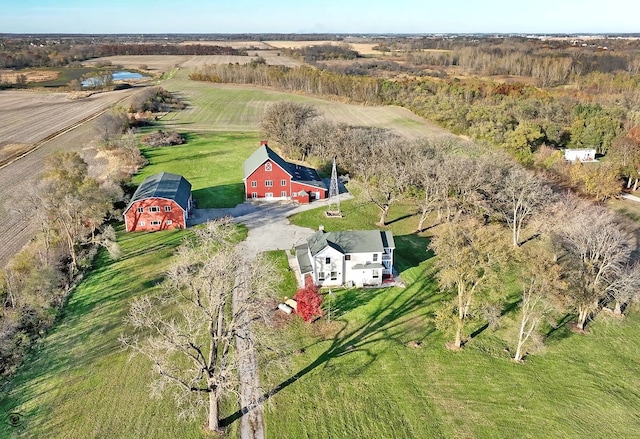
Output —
(269, 229)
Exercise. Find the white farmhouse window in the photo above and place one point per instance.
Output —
(334, 275)
(376, 274)
(268, 183)
(283, 182)
(347, 257)
(375, 257)
(267, 166)
(321, 276)
(327, 261)
(254, 183)
(140, 209)
(167, 208)
(154, 209)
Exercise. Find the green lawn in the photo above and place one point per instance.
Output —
(212, 162)
(358, 378)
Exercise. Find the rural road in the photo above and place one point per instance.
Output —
(269, 229)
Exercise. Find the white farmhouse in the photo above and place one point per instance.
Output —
(584, 155)
(360, 258)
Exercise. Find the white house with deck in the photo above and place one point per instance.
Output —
(354, 258)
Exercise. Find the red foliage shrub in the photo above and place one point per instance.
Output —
(309, 302)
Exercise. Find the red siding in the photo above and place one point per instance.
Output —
(134, 218)
(260, 176)
(297, 187)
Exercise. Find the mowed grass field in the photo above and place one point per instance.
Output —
(218, 107)
(79, 383)
(212, 162)
(358, 378)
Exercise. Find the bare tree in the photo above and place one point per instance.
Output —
(596, 252)
(73, 203)
(469, 255)
(542, 289)
(111, 125)
(384, 167)
(625, 288)
(191, 347)
(521, 196)
(285, 122)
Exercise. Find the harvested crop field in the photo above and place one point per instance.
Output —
(11, 76)
(28, 117)
(164, 63)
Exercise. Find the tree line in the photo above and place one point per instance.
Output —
(518, 118)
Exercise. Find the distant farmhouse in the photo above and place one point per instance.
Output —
(354, 258)
(268, 176)
(584, 155)
(163, 201)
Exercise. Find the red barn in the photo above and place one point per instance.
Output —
(268, 176)
(161, 202)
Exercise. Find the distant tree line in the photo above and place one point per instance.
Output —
(322, 52)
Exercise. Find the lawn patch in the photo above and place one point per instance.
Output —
(212, 162)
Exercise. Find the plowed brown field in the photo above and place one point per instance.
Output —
(25, 120)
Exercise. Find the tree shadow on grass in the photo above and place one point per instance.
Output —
(394, 319)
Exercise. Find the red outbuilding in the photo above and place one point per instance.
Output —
(163, 201)
(268, 176)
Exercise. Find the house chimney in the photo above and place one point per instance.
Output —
(321, 227)
(263, 142)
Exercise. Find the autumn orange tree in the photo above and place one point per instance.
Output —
(308, 302)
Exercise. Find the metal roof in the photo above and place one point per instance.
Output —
(357, 241)
(303, 259)
(164, 185)
(298, 173)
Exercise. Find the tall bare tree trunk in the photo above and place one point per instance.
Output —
(383, 215)
(214, 423)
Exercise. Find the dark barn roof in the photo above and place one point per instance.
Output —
(164, 185)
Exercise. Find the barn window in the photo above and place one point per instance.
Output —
(142, 223)
(283, 193)
(168, 222)
(156, 223)
(140, 209)
(283, 182)
(254, 195)
(267, 166)
(167, 208)
(268, 183)
(154, 209)
(254, 183)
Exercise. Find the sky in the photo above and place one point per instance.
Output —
(315, 16)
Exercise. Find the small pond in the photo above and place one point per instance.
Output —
(117, 76)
